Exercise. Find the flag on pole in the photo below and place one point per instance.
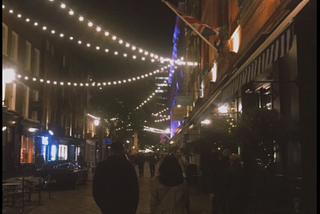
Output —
(203, 28)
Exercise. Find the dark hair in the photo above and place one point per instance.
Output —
(170, 171)
(117, 148)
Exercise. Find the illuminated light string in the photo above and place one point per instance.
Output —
(106, 33)
(147, 100)
(79, 42)
(162, 120)
(156, 114)
(106, 50)
(94, 84)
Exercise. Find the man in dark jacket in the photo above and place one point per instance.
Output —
(115, 184)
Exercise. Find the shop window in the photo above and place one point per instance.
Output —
(265, 98)
(63, 152)
(53, 152)
(27, 150)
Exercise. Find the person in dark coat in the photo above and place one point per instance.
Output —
(115, 186)
(220, 192)
(39, 160)
(214, 172)
(236, 196)
(140, 161)
(152, 164)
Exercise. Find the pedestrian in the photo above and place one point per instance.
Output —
(214, 172)
(115, 186)
(169, 191)
(152, 164)
(182, 161)
(220, 191)
(80, 160)
(140, 161)
(183, 164)
(39, 160)
(236, 196)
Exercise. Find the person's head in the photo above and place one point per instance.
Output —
(170, 171)
(117, 148)
(226, 153)
(235, 159)
(177, 153)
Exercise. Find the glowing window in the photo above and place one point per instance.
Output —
(53, 152)
(234, 41)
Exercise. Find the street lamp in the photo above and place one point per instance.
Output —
(96, 122)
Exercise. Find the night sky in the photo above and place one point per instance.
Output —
(147, 24)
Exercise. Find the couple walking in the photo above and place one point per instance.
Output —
(116, 189)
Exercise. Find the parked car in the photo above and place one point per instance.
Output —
(63, 173)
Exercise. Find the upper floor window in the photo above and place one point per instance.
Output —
(234, 42)
(14, 46)
(34, 95)
(36, 62)
(4, 39)
(25, 102)
(27, 63)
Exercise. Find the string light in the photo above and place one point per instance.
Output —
(115, 82)
(114, 37)
(152, 56)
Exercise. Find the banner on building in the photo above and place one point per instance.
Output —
(178, 113)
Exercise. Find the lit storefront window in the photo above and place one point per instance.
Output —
(63, 152)
(27, 150)
(53, 152)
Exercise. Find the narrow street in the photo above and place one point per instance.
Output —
(80, 200)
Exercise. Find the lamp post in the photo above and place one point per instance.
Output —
(96, 122)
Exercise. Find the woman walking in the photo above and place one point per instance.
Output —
(169, 191)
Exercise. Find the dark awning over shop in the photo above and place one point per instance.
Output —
(275, 50)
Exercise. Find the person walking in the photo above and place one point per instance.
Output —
(80, 160)
(220, 191)
(184, 165)
(140, 161)
(152, 164)
(236, 196)
(115, 186)
(39, 160)
(214, 172)
(182, 161)
(169, 191)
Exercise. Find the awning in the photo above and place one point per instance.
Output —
(278, 48)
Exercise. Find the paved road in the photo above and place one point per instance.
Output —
(80, 200)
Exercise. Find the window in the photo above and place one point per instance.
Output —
(11, 96)
(63, 152)
(34, 115)
(4, 39)
(27, 150)
(27, 62)
(14, 46)
(34, 95)
(25, 104)
(36, 62)
(234, 42)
